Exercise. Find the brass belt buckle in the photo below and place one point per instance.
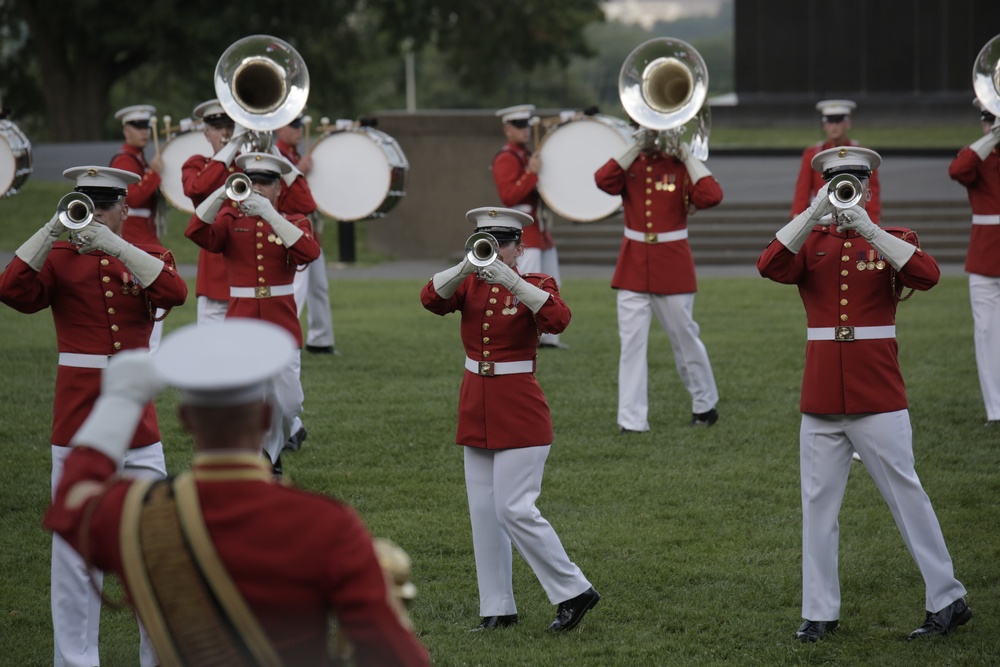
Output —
(843, 334)
(486, 368)
(262, 292)
(652, 237)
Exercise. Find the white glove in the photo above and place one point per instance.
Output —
(290, 177)
(127, 386)
(894, 249)
(986, 143)
(795, 233)
(499, 273)
(640, 139)
(258, 205)
(208, 209)
(447, 281)
(695, 167)
(34, 251)
(97, 236)
(228, 152)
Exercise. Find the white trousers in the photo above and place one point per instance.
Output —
(287, 399)
(211, 310)
(502, 486)
(157, 334)
(884, 441)
(984, 294)
(673, 311)
(312, 292)
(76, 604)
(536, 260)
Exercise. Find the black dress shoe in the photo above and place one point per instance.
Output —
(276, 469)
(322, 349)
(625, 431)
(944, 622)
(496, 623)
(571, 612)
(811, 631)
(704, 418)
(295, 440)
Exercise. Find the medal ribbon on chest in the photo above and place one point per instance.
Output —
(510, 305)
(130, 284)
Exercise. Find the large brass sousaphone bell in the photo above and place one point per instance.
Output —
(663, 85)
(986, 76)
(263, 84)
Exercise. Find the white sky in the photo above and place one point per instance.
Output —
(648, 12)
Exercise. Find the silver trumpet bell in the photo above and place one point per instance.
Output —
(482, 249)
(986, 76)
(262, 83)
(845, 191)
(238, 186)
(75, 210)
(663, 85)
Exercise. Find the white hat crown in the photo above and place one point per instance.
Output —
(251, 162)
(493, 216)
(136, 112)
(101, 177)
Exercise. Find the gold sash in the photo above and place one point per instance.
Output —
(183, 593)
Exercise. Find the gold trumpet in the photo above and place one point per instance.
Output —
(482, 249)
(845, 191)
(238, 186)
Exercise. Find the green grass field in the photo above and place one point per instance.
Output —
(692, 536)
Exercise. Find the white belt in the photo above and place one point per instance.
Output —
(490, 368)
(652, 237)
(139, 212)
(260, 292)
(985, 219)
(846, 334)
(83, 360)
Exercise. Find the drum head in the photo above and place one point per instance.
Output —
(571, 154)
(351, 174)
(15, 157)
(175, 153)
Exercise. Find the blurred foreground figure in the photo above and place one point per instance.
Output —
(851, 275)
(977, 167)
(223, 565)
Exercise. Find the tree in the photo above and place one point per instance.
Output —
(84, 55)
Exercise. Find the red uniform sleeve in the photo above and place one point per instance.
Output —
(921, 272)
(780, 264)
(296, 199)
(139, 193)
(706, 193)
(201, 176)
(24, 289)
(211, 237)
(965, 167)
(554, 315)
(439, 306)
(513, 183)
(359, 594)
(803, 194)
(169, 290)
(610, 178)
(874, 206)
(306, 249)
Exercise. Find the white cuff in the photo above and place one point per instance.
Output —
(34, 251)
(628, 156)
(893, 248)
(696, 168)
(286, 231)
(145, 267)
(227, 153)
(533, 297)
(794, 234)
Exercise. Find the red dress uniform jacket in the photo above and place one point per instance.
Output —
(142, 196)
(982, 180)
(860, 376)
(810, 181)
(200, 177)
(516, 188)
(656, 192)
(255, 259)
(296, 557)
(295, 198)
(95, 311)
(486, 404)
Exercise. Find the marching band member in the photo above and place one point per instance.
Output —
(515, 172)
(836, 119)
(261, 249)
(312, 286)
(189, 550)
(655, 273)
(102, 295)
(504, 423)
(143, 197)
(851, 275)
(977, 167)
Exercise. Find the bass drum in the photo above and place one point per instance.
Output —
(571, 153)
(175, 153)
(15, 158)
(357, 174)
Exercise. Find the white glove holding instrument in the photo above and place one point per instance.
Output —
(641, 138)
(290, 177)
(97, 236)
(228, 152)
(127, 386)
(795, 233)
(447, 281)
(258, 205)
(695, 167)
(34, 251)
(208, 209)
(894, 249)
(986, 143)
(499, 273)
